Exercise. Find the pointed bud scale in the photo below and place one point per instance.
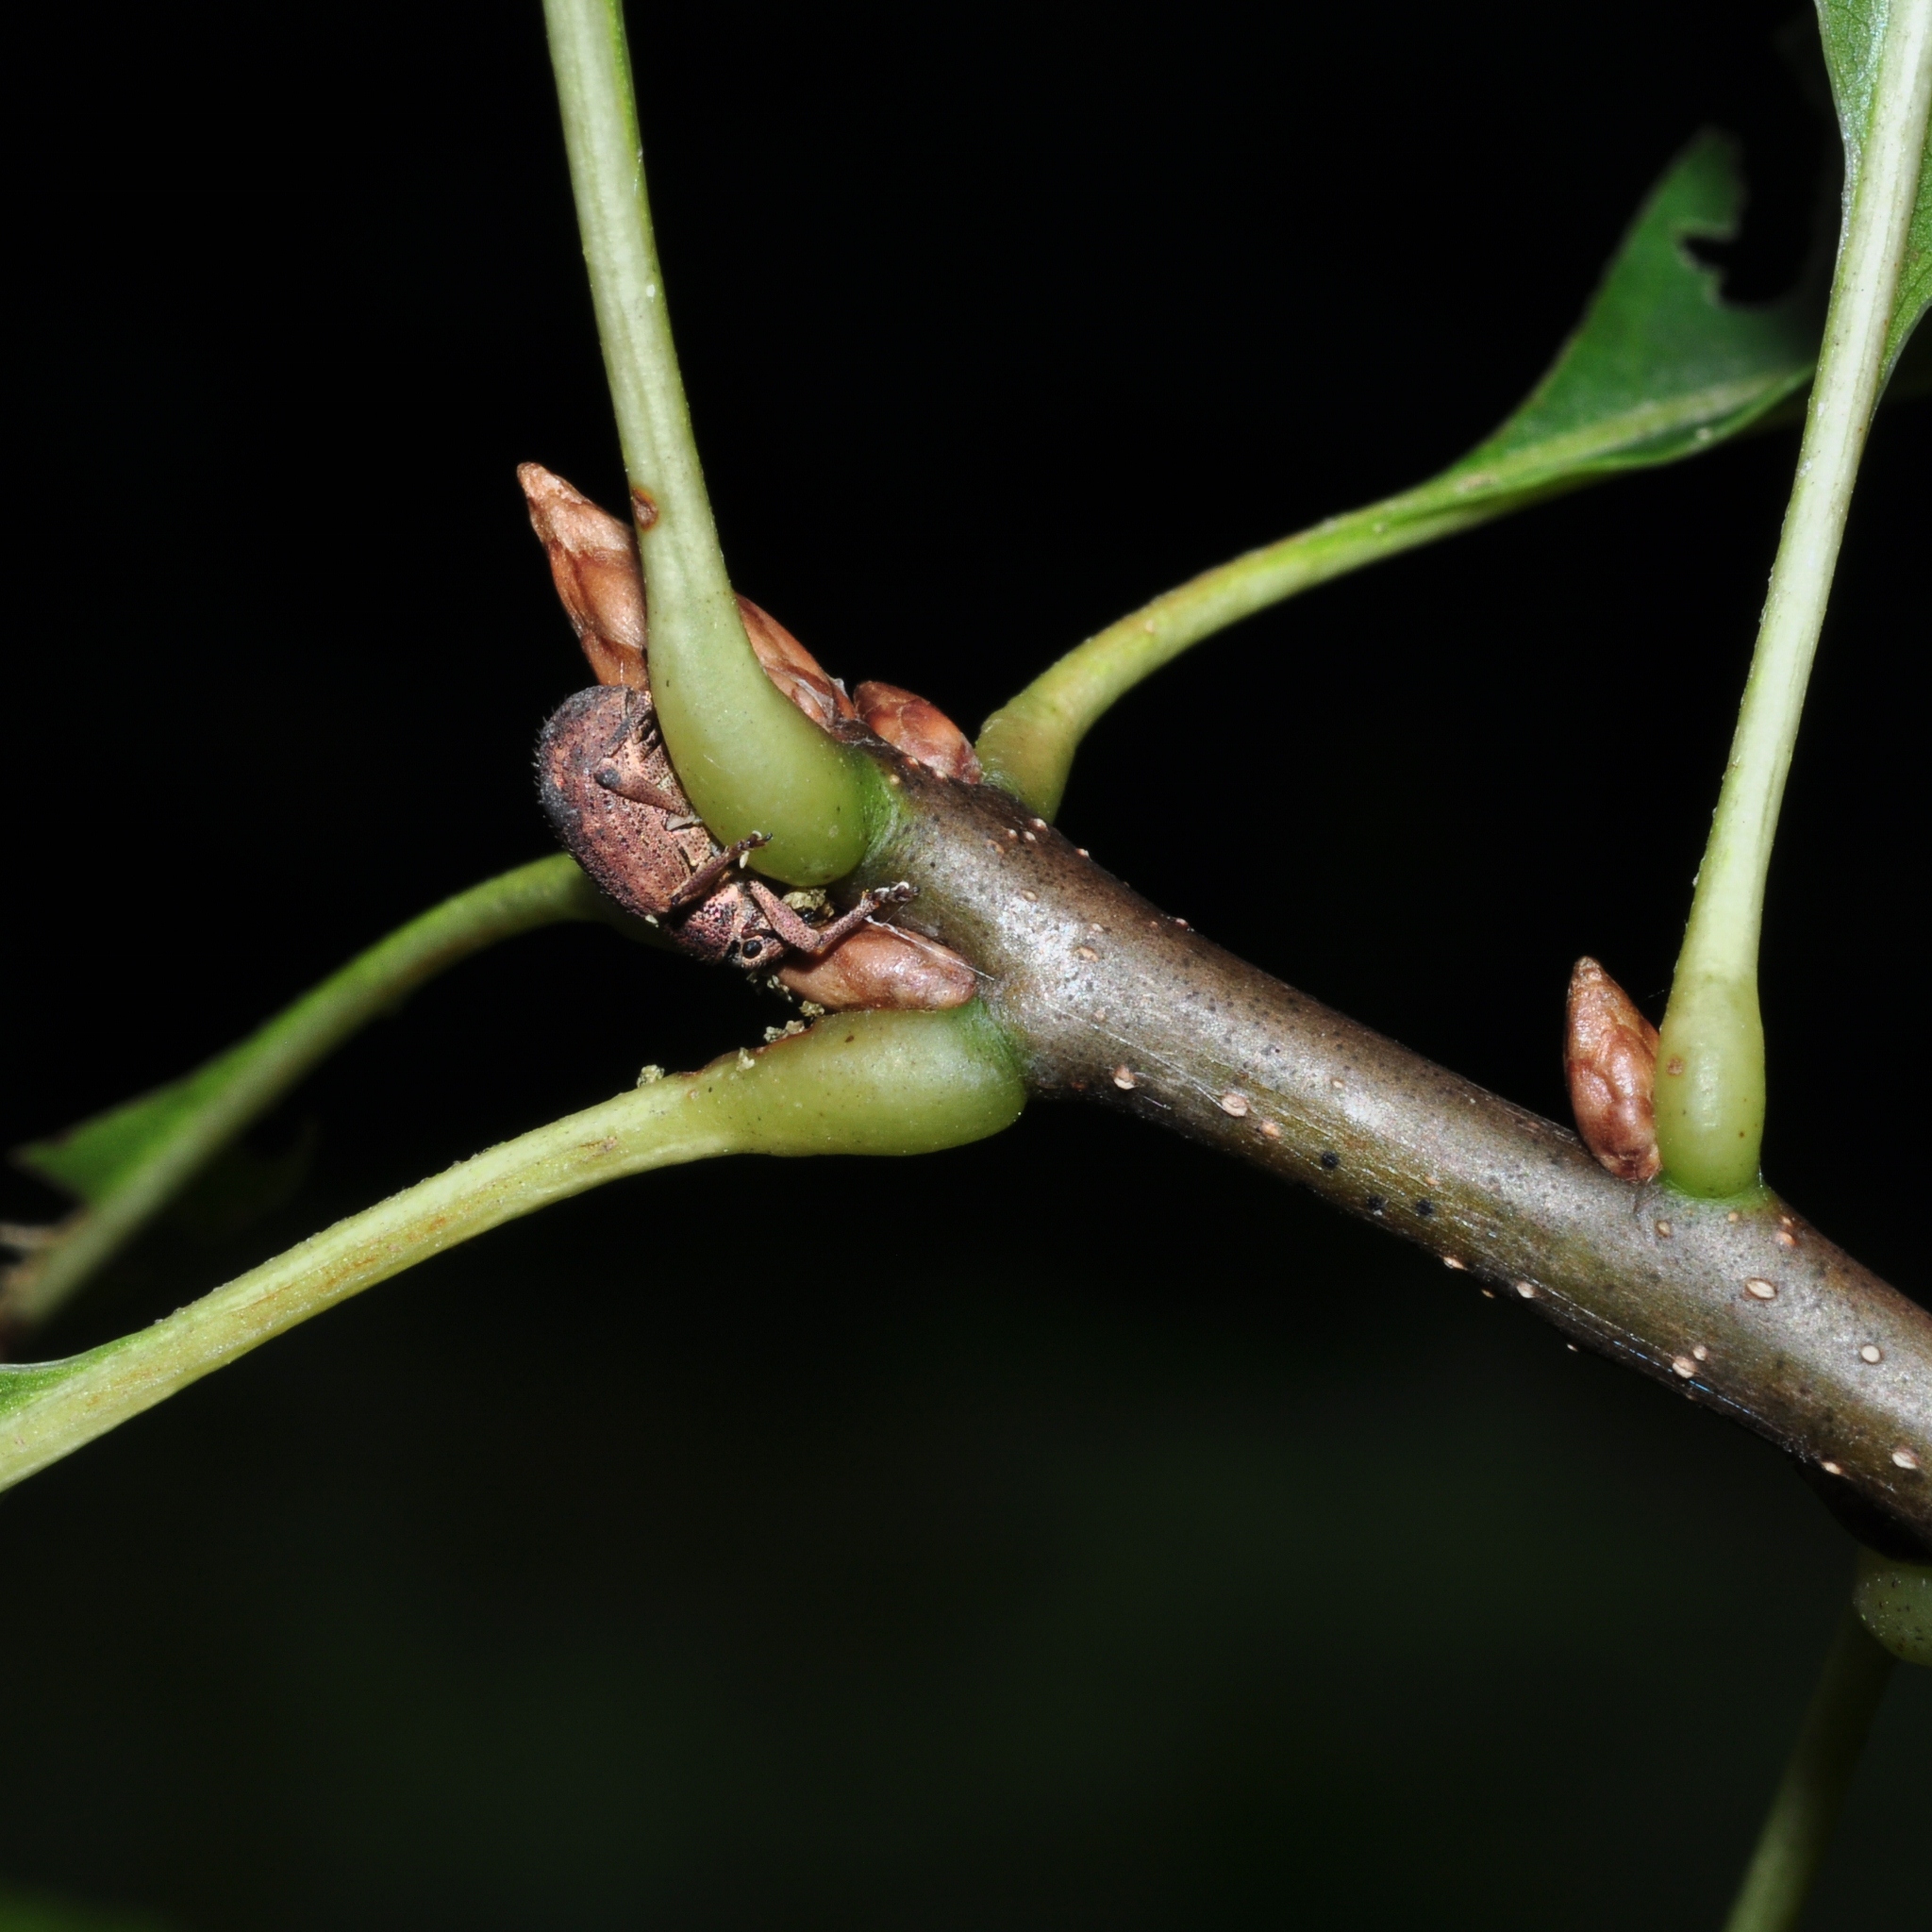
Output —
(593, 558)
(1609, 1053)
(793, 668)
(882, 967)
(919, 728)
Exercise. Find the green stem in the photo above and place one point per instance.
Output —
(1812, 1794)
(859, 1083)
(1027, 745)
(749, 759)
(1711, 1091)
(129, 1163)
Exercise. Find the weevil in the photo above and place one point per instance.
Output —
(615, 803)
(616, 807)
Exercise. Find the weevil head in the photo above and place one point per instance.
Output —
(729, 929)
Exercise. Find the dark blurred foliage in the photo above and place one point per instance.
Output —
(1068, 1532)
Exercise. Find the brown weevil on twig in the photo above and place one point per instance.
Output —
(615, 805)
(612, 796)
(1609, 1053)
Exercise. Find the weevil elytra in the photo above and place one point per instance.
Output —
(615, 805)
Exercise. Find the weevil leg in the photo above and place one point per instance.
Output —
(814, 940)
(640, 792)
(639, 717)
(638, 724)
(704, 881)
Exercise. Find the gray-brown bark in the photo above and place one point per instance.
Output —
(1751, 1312)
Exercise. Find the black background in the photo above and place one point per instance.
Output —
(1070, 1531)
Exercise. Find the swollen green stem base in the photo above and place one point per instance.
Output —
(1711, 1089)
(747, 760)
(857, 1083)
(1709, 1140)
(1894, 1599)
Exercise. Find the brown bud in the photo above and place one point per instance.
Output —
(919, 728)
(593, 558)
(881, 966)
(1609, 1053)
(793, 668)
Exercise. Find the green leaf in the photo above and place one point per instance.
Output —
(94, 1158)
(125, 1165)
(1853, 35)
(21, 1912)
(1660, 366)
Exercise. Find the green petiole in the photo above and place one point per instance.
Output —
(1710, 1089)
(748, 758)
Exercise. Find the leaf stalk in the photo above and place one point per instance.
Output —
(1658, 368)
(749, 762)
(1812, 1794)
(1711, 1096)
(859, 1083)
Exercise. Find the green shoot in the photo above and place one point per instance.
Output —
(1660, 368)
(748, 758)
(125, 1165)
(1797, 1829)
(859, 1083)
(1710, 1093)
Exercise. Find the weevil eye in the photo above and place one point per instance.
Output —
(753, 948)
